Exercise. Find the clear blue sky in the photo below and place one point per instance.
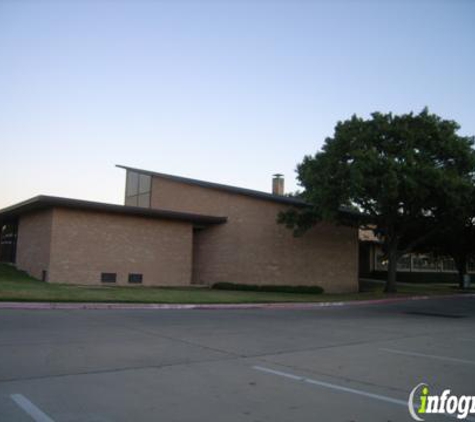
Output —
(230, 91)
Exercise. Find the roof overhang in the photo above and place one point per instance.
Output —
(47, 202)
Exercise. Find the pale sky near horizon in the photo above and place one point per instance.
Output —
(229, 91)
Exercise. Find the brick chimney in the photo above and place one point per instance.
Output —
(278, 184)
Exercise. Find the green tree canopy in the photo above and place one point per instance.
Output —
(454, 233)
(400, 171)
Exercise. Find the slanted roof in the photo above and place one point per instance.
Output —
(226, 188)
(45, 202)
(351, 216)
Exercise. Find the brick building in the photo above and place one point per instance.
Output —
(175, 231)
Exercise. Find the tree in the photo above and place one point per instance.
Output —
(399, 171)
(455, 233)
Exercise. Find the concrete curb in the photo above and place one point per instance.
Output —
(164, 306)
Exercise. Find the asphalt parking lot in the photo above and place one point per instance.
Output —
(356, 363)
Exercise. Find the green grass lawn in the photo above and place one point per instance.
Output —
(18, 286)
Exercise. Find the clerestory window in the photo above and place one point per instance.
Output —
(138, 187)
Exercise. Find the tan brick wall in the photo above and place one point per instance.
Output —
(253, 248)
(86, 243)
(34, 242)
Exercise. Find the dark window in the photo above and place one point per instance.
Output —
(44, 275)
(108, 277)
(8, 240)
(135, 278)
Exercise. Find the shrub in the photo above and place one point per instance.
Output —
(268, 288)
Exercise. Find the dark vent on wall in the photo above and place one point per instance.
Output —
(135, 278)
(108, 277)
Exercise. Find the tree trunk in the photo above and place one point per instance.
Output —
(393, 257)
(461, 264)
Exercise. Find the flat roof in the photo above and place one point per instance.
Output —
(44, 202)
(227, 188)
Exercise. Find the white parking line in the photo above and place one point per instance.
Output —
(343, 389)
(37, 414)
(332, 386)
(423, 355)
